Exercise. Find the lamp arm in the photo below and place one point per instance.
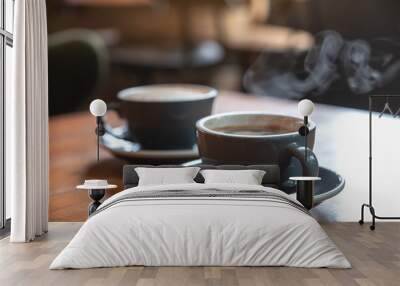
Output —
(305, 138)
(100, 131)
(304, 131)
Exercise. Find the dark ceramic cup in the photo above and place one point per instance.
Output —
(257, 138)
(164, 116)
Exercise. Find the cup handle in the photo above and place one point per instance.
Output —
(115, 106)
(309, 165)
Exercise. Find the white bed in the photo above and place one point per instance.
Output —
(249, 225)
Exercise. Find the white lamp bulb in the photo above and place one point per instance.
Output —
(305, 107)
(98, 107)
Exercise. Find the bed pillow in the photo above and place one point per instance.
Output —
(248, 177)
(165, 176)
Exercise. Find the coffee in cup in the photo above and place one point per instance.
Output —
(249, 138)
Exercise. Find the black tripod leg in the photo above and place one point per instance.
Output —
(361, 221)
(372, 210)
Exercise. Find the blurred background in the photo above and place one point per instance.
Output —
(281, 48)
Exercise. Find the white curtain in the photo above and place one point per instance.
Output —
(27, 124)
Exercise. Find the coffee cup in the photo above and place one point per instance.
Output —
(163, 116)
(249, 138)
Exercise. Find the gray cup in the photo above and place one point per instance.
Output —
(249, 138)
(163, 116)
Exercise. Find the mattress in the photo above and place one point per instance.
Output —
(201, 225)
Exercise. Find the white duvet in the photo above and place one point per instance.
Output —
(200, 231)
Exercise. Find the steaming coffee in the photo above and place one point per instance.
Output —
(245, 138)
(254, 130)
(163, 117)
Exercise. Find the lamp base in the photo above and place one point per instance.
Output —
(96, 195)
(303, 130)
(305, 193)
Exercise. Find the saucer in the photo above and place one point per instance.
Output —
(130, 150)
(330, 185)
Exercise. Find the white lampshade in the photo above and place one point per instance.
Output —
(305, 107)
(98, 107)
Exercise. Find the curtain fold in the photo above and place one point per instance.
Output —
(27, 124)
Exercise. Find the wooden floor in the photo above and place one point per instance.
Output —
(375, 257)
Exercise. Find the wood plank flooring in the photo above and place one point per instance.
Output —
(375, 257)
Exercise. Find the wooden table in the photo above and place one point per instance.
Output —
(133, 3)
(341, 145)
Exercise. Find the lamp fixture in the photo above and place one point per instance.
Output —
(305, 108)
(98, 108)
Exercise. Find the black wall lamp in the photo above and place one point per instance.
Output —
(98, 108)
(305, 184)
(305, 108)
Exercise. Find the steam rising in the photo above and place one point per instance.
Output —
(292, 76)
